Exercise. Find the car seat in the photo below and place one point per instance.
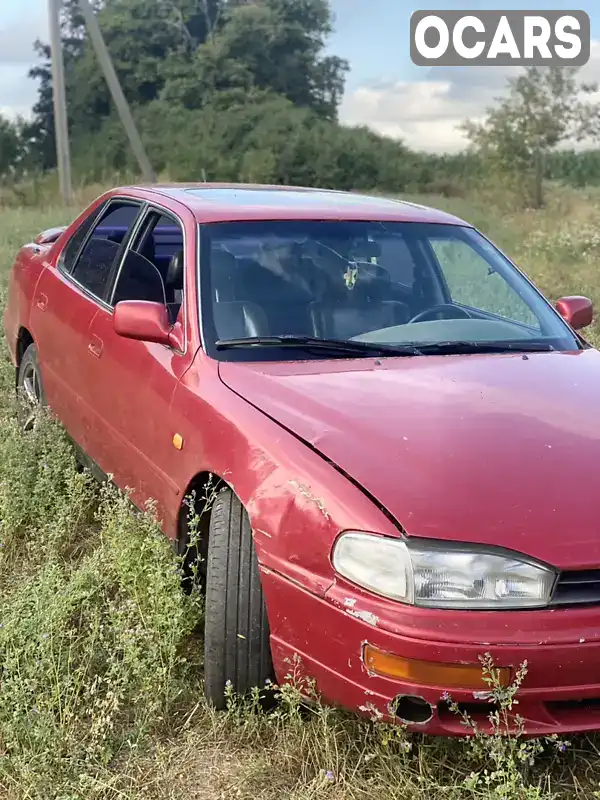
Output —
(364, 307)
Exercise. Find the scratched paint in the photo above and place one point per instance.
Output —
(365, 616)
(306, 492)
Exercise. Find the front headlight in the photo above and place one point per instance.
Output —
(442, 575)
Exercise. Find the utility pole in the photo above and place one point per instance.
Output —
(61, 128)
(115, 89)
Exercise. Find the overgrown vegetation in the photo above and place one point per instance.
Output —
(93, 623)
(100, 673)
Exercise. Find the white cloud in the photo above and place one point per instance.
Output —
(17, 37)
(17, 91)
(426, 114)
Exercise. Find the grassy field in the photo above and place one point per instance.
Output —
(100, 656)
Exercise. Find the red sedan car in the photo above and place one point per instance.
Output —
(403, 432)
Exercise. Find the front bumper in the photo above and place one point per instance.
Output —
(326, 637)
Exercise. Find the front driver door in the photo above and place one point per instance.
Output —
(132, 382)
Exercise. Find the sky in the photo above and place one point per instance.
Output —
(384, 90)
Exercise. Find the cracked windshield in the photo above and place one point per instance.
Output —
(386, 283)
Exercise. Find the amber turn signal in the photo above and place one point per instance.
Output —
(427, 673)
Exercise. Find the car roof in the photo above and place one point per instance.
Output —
(220, 202)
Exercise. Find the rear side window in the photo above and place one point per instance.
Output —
(93, 268)
(73, 246)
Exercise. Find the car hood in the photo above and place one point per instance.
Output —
(497, 449)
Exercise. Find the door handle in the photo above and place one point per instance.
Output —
(95, 346)
(42, 302)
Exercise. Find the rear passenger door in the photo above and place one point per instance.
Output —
(66, 301)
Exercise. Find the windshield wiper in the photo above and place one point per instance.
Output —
(340, 346)
(357, 348)
(458, 348)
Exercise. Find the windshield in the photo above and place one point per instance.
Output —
(388, 284)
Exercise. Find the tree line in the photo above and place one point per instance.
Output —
(244, 90)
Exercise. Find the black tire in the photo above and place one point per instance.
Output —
(30, 388)
(236, 634)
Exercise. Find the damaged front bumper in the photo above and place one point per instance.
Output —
(436, 654)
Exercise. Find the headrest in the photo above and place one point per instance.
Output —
(364, 250)
(371, 281)
(223, 260)
(174, 278)
(373, 273)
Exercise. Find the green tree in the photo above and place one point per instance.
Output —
(185, 52)
(267, 45)
(280, 43)
(543, 108)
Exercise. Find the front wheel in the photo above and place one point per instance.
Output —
(236, 635)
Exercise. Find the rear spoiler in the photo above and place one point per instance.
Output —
(50, 235)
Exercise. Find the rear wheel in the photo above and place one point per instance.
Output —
(30, 389)
(236, 637)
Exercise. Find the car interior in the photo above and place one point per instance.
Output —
(153, 268)
(250, 300)
(372, 289)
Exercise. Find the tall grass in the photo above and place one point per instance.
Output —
(100, 651)
(93, 624)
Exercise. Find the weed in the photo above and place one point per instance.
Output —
(507, 756)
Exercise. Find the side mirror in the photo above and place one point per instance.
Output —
(49, 236)
(144, 321)
(577, 311)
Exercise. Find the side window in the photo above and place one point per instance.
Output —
(73, 246)
(473, 282)
(94, 266)
(153, 267)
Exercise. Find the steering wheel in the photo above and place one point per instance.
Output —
(426, 313)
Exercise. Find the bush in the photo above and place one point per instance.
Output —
(265, 139)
